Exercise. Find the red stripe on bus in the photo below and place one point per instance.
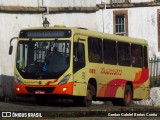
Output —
(112, 86)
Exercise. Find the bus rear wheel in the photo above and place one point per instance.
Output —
(126, 100)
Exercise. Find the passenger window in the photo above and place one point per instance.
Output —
(145, 57)
(95, 49)
(124, 57)
(137, 56)
(109, 52)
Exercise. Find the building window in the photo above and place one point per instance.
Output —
(120, 22)
(120, 26)
(120, 1)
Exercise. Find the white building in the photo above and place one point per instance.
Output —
(133, 18)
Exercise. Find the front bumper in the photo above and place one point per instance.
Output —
(65, 89)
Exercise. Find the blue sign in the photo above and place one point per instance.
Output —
(44, 68)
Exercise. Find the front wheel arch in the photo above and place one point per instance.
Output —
(84, 101)
(93, 83)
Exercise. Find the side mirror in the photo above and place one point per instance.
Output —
(11, 47)
(10, 50)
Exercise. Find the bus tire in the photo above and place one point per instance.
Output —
(128, 95)
(85, 101)
(41, 100)
(126, 100)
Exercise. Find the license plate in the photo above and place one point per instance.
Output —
(39, 92)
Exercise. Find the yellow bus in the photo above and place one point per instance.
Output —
(84, 65)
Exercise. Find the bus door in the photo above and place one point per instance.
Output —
(79, 64)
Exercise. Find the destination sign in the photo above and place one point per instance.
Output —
(49, 33)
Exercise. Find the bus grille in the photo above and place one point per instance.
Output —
(46, 89)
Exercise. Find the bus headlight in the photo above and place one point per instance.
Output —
(17, 80)
(64, 80)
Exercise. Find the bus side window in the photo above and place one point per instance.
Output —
(124, 57)
(95, 50)
(136, 53)
(109, 52)
(145, 57)
(78, 56)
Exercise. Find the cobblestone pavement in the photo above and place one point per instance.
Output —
(65, 110)
(109, 118)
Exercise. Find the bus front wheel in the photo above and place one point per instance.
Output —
(85, 101)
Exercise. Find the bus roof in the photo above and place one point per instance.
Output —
(84, 31)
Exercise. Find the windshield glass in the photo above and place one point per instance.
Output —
(43, 59)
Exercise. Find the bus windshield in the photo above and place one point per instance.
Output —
(43, 59)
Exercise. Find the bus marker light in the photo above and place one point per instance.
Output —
(18, 89)
(64, 89)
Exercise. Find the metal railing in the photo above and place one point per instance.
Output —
(155, 71)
